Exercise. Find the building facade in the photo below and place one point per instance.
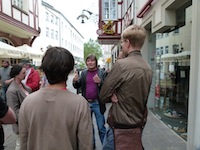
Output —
(56, 30)
(19, 22)
(172, 49)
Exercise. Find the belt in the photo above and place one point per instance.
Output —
(92, 100)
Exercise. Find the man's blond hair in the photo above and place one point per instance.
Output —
(135, 34)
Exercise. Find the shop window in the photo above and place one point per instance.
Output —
(109, 10)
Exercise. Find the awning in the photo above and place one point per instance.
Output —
(8, 51)
(176, 56)
(31, 52)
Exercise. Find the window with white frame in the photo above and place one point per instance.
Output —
(47, 16)
(161, 51)
(166, 49)
(56, 35)
(157, 51)
(52, 33)
(56, 21)
(18, 3)
(52, 19)
(109, 10)
(47, 32)
(21, 4)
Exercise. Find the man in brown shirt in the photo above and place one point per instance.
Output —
(130, 79)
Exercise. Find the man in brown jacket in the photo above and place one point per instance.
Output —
(53, 117)
(130, 80)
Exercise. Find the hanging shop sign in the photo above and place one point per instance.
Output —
(108, 27)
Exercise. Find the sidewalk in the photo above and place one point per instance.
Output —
(158, 136)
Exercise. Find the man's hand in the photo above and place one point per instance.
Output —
(97, 79)
(114, 98)
(75, 77)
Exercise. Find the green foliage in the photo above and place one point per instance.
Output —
(81, 65)
(92, 47)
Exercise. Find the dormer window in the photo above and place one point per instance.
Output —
(109, 10)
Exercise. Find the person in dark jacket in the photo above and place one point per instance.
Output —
(90, 82)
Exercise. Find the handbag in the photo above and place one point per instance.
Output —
(128, 139)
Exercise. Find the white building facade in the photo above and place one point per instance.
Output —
(56, 30)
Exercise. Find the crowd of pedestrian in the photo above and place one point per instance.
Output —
(46, 115)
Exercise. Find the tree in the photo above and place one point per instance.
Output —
(92, 47)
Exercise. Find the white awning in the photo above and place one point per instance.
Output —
(176, 56)
(32, 53)
(8, 51)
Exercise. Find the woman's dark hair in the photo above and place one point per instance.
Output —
(57, 63)
(92, 56)
(15, 70)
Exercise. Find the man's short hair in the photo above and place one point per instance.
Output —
(135, 34)
(15, 70)
(92, 56)
(57, 63)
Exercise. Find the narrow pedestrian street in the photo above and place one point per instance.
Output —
(156, 135)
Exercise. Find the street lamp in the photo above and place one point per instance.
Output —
(85, 16)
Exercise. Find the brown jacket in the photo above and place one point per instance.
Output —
(55, 119)
(130, 78)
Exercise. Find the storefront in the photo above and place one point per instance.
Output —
(172, 90)
(172, 58)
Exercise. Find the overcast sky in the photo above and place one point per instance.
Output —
(72, 9)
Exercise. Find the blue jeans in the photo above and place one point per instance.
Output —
(108, 143)
(94, 106)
